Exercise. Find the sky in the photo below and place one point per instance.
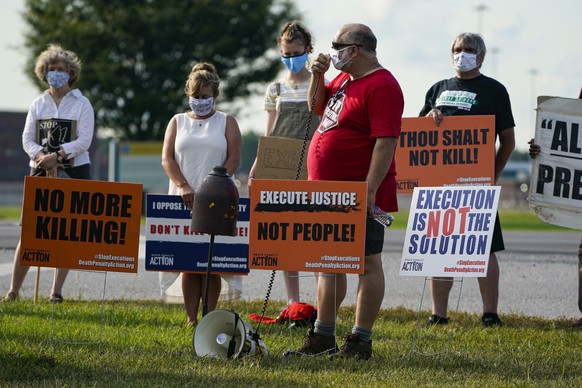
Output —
(533, 49)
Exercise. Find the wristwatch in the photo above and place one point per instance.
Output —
(60, 159)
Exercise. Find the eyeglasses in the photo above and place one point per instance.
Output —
(338, 46)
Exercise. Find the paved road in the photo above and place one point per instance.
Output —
(538, 278)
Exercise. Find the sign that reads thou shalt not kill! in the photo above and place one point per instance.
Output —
(315, 226)
(172, 246)
(449, 231)
(88, 225)
(462, 146)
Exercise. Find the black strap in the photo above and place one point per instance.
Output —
(232, 342)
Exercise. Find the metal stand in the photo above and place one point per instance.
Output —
(54, 316)
(422, 328)
(208, 271)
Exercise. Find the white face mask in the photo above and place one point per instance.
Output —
(464, 62)
(201, 106)
(335, 58)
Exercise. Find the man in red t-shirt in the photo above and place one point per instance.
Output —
(361, 118)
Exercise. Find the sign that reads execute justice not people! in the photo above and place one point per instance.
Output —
(307, 225)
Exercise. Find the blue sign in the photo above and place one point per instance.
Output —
(172, 246)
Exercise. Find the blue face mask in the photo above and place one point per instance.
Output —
(295, 63)
(57, 79)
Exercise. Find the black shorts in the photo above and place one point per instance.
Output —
(374, 237)
(79, 172)
(497, 243)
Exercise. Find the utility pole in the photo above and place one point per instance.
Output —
(481, 8)
(533, 74)
(494, 52)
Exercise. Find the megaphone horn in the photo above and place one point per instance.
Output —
(222, 334)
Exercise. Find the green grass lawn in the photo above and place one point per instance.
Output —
(122, 343)
(10, 212)
(141, 344)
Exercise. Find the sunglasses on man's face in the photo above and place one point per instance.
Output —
(339, 46)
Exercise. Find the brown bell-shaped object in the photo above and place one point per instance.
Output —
(215, 207)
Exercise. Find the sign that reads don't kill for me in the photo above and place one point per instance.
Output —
(307, 225)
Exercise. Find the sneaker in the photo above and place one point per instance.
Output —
(437, 320)
(490, 320)
(9, 297)
(354, 348)
(577, 324)
(314, 345)
(56, 298)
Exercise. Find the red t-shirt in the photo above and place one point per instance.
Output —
(357, 113)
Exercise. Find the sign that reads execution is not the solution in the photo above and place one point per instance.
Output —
(87, 225)
(172, 246)
(308, 225)
(449, 231)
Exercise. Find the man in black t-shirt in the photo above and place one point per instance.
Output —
(472, 93)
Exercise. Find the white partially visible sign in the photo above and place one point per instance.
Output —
(556, 180)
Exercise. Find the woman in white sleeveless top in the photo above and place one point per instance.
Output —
(194, 143)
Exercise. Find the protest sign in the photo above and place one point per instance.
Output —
(279, 157)
(556, 180)
(449, 231)
(81, 224)
(308, 225)
(459, 152)
(52, 133)
(172, 246)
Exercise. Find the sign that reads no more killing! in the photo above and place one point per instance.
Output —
(87, 225)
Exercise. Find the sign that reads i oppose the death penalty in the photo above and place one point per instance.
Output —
(88, 224)
(172, 246)
(449, 231)
(307, 225)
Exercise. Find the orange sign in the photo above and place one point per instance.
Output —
(459, 152)
(89, 225)
(317, 226)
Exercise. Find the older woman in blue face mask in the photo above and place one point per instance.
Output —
(286, 107)
(63, 155)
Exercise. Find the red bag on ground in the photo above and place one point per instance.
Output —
(297, 314)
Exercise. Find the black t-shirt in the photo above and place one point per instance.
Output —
(476, 96)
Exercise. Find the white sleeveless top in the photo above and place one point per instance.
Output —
(200, 145)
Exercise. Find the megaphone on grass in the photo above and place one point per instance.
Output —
(222, 334)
